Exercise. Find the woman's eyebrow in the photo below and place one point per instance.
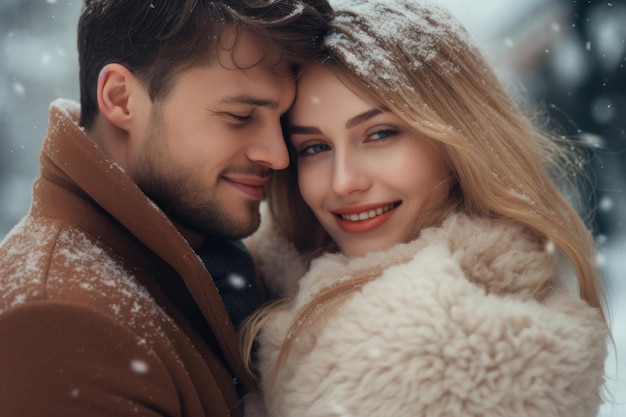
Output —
(359, 118)
(363, 117)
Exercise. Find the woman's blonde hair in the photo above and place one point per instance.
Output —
(417, 62)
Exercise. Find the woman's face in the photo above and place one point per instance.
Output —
(362, 171)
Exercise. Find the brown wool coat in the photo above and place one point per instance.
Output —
(91, 285)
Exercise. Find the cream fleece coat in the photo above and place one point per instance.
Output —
(451, 328)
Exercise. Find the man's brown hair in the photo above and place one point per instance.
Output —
(158, 39)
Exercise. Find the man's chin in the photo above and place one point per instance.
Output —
(220, 222)
(234, 228)
(245, 228)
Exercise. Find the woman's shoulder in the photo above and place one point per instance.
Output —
(425, 316)
(453, 305)
(473, 277)
(499, 255)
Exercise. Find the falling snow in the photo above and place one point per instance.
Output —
(606, 204)
(38, 63)
(237, 281)
(139, 366)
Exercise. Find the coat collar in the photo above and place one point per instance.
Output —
(70, 159)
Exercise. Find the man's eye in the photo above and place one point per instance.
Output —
(240, 118)
(313, 149)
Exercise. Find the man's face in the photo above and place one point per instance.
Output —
(212, 143)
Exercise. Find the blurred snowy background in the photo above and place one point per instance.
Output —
(568, 56)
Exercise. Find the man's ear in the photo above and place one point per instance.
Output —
(116, 85)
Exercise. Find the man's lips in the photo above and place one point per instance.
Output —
(252, 186)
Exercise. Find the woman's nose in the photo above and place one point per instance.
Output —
(349, 174)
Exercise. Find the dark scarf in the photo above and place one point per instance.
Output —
(233, 272)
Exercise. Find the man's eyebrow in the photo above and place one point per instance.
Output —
(251, 100)
(363, 117)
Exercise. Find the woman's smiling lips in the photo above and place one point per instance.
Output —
(363, 218)
(252, 186)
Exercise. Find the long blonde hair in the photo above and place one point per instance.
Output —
(417, 62)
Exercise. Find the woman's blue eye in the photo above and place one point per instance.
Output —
(382, 134)
(313, 149)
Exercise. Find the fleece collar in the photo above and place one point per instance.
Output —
(498, 255)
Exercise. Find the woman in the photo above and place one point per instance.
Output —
(433, 246)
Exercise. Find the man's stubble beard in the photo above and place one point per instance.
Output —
(181, 195)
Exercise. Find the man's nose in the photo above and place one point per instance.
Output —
(269, 148)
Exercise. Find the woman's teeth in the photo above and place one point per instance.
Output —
(355, 217)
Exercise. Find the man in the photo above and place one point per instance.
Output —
(106, 308)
